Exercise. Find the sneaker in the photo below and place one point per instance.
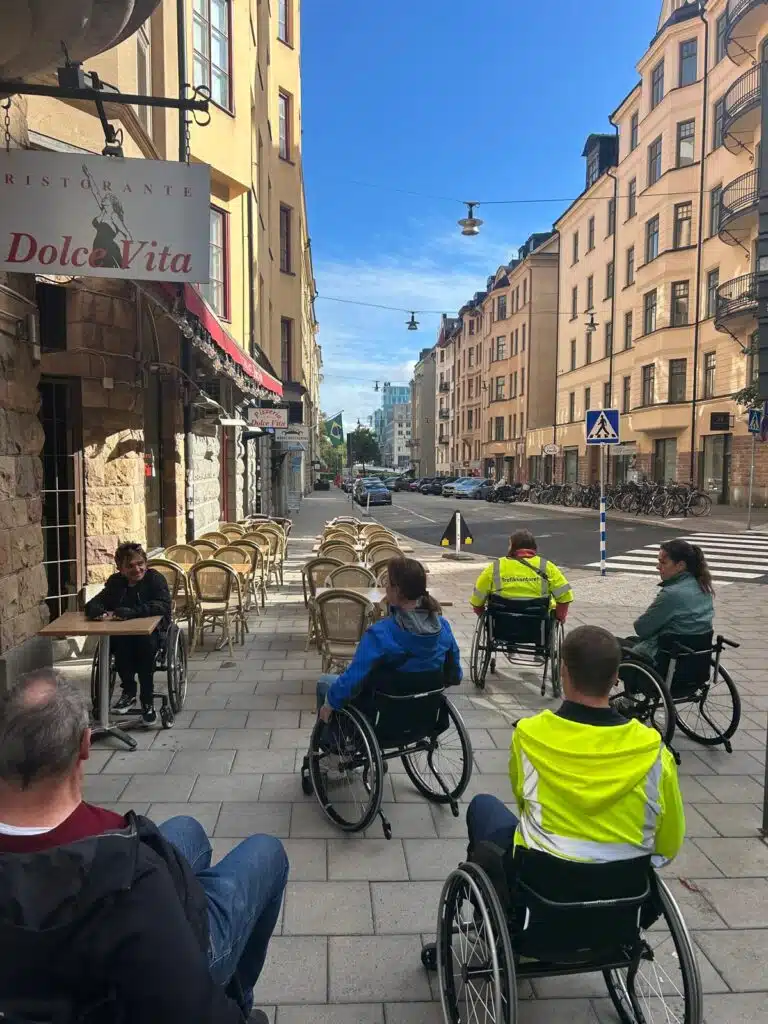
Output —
(148, 714)
(125, 705)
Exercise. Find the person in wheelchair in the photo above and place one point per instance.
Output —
(135, 591)
(413, 638)
(523, 576)
(683, 605)
(589, 784)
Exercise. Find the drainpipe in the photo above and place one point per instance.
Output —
(557, 358)
(612, 174)
(186, 354)
(700, 244)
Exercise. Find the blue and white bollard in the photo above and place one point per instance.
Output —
(602, 510)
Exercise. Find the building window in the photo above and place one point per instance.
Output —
(593, 167)
(588, 348)
(525, 291)
(574, 303)
(721, 32)
(499, 392)
(217, 289)
(499, 432)
(590, 234)
(501, 307)
(608, 338)
(680, 303)
(677, 368)
(522, 381)
(607, 395)
(501, 348)
(590, 291)
(286, 339)
(632, 199)
(523, 338)
(587, 399)
(681, 236)
(626, 393)
(284, 123)
(284, 21)
(471, 326)
(686, 143)
(211, 58)
(630, 265)
(717, 123)
(649, 312)
(286, 255)
(713, 283)
(575, 247)
(710, 366)
(652, 239)
(634, 131)
(471, 357)
(648, 378)
(513, 425)
(714, 209)
(571, 406)
(628, 330)
(573, 353)
(654, 161)
(143, 74)
(688, 62)
(609, 280)
(657, 84)
(611, 217)
(514, 341)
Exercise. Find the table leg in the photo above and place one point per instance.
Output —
(104, 727)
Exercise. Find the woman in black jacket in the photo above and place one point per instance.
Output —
(134, 592)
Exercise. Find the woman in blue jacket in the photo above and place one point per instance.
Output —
(413, 638)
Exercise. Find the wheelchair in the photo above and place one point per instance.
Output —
(171, 659)
(405, 715)
(507, 917)
(525, 631)
(38, 1011)
(698, 695)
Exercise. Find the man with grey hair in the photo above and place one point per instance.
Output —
(107, 910)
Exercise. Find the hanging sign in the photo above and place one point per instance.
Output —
(268, 417)
(96, 216)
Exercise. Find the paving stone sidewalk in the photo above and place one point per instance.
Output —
(358, 909)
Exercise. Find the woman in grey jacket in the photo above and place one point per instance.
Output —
(684, 602)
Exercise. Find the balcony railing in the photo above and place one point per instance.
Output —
(742, 97)
(445, 385)
(442, 439)
(742, 28)
(736, 298)
(736, 8)
(444, 414)
(737, 199)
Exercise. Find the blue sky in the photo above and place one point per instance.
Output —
(434, 98)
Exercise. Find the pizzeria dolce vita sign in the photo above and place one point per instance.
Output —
(95, 216)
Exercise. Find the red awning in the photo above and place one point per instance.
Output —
(196, 304)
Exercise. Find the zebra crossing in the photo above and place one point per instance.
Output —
(732, 557)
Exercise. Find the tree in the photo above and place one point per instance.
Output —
(331, 456)
(363, 446)
(748, 397)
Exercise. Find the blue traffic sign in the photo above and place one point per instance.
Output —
(603, 426)
(755, 420)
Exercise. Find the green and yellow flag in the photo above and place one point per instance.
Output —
(335, 431)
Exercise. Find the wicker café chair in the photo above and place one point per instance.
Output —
(381, 552)
(338, 549)
(218, 601)
(232, 531)
(275, 542)
(205, 547)
(342, 617)
(258, 578)
(342, 536)
(183, 555)
(345, 529)
(315, 574)
(216, 537)
(352, 576)
(381, 571)
(265, 546)
(236, 556)
(182, 604)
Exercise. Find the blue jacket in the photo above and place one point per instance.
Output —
(386, 641)
(681, 606)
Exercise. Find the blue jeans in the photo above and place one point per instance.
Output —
(324, 684)
(489, 820)
(244, 891)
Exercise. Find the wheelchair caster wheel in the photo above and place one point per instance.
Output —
(429, 956)
(728, 746)
(493, 666)
(387, 830)
(166, 717)
(454, 809)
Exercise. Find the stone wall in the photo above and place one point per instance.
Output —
(206, 476)
(741, 456)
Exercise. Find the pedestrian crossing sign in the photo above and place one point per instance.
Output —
(603, 426)
(755, 420)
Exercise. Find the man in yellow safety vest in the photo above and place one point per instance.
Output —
(523, 576)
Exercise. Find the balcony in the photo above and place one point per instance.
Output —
(738, 209)
(741, 115)
(442, 439)
(444, 414)
(745, 21)
(736, 303)
(444, 386)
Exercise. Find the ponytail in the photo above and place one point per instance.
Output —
(695, 562)
(430, 604)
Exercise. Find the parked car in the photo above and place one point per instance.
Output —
(472, 488)
(403, 483)
(390, 482)
(372, 492)
(449, 489)
(487, 487)
(426, 486)
(416, 484)
(347, 484)
(437, 485)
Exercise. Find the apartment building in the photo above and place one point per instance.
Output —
(423, 414)
(468, 390)
(128, 423)
(446, 403)
(662, 292)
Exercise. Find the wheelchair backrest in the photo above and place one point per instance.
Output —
(518, 621)
(404, 706)
(690, 669)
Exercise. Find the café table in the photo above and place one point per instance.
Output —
(72, 624)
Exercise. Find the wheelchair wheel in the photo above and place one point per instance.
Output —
(449, 758)
(480, 656)
(712, 715)
(641, 694)
(176, 667)
(555, 648)
(474, 956)
(346, 770)
(95, 702)
(664, 987)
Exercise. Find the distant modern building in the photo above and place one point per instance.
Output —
(392, 395)
(423, 414)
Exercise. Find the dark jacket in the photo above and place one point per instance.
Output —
(150, 596)
(680, 607)
(117, 922)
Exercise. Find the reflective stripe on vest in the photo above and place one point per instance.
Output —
(536, 837)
